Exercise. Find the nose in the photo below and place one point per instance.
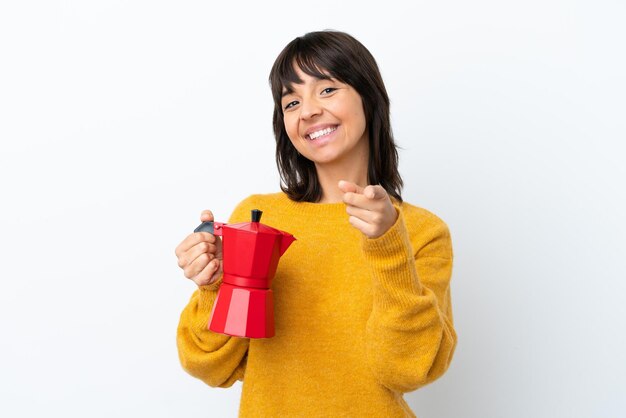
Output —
(310, 108)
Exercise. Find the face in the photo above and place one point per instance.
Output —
(325, 121)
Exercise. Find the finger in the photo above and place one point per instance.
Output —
(194, 268)
(361, 225)
(206, 276)
(347, 186)
(193, 239)
(360, 201)
(365, 215)
(218, 272)
(196, 251)
(206, 215)
(376, 221)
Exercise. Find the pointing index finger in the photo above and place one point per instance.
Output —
(347, 186)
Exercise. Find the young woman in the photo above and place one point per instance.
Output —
(362, 298)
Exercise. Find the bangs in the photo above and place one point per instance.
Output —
(287, 75)
(313, 59)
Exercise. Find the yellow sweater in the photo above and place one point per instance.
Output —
(358, 321)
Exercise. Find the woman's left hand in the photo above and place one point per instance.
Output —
(370, 208)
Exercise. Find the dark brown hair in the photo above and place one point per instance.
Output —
(320, 54)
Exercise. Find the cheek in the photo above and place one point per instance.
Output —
(291, 127)
(352, 114)
(359, 113)
(357, 119)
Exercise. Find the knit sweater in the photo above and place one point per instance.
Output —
(358, 321)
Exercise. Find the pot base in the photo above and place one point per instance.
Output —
(243, 312)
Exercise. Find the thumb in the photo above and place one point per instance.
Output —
(206, 215)
(347, 186)
(375, 192)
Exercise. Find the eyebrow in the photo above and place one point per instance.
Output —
(288, 90)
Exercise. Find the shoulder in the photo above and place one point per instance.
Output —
(429, 234)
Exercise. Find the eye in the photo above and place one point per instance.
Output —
(291, 104)
(328, 90)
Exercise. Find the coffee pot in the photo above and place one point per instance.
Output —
(244, 306)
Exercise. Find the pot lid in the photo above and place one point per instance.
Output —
(255, 226)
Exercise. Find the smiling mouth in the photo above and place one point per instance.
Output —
(323, 132)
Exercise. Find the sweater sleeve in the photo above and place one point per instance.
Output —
(216, 359)
(410, 338)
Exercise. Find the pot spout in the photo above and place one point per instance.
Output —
(285, 241)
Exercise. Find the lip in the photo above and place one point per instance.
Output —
(318, 128)
(323, 140)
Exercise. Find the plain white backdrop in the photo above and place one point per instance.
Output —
(121, 120)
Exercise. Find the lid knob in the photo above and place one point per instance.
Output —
(256, 215)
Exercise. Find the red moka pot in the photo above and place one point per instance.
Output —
(244, 306)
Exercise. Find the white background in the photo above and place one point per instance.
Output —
(120, 121)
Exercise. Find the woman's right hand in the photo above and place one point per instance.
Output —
(200, 255)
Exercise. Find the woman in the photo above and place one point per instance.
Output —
(362, 299)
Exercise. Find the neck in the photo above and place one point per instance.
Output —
(329, 177)
(351, 166)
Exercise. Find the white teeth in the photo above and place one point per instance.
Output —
(317, 134)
